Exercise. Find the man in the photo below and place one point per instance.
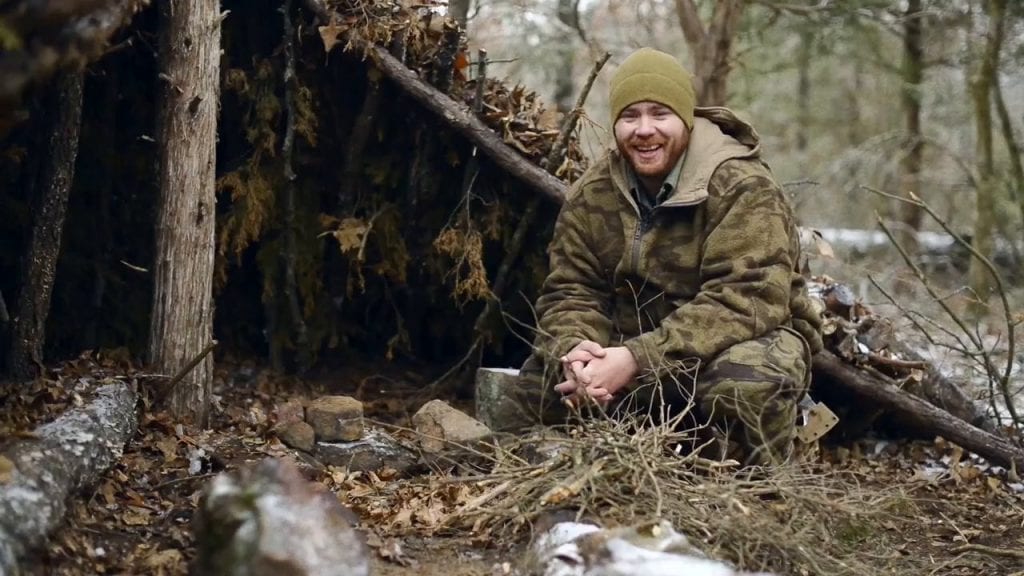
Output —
(674, 274)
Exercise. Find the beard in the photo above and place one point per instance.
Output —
(652, 159)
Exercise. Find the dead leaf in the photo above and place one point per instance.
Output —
(136, 517)
(350, 234)
(169, 560)
(6, 470)
(824, 248)
(168, 446)
(329, 34)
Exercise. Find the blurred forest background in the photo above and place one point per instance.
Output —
(858, 102)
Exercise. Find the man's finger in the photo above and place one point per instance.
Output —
(596, 392)
(567, 387)
(592, 347)
(579, 373)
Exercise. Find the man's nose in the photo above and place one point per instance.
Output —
(646, 126)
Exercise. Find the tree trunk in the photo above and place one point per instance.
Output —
(981, 89)
(1012, 147)
(564, 89)
(910, 165)
(803, 91)
(33, 304)
(182, 317)
(711, 47)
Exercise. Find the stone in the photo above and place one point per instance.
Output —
(336, 418)
(298, 435)
(440, 426)
(268, 520)
(288, 412)
(374, 451)
(493, 404)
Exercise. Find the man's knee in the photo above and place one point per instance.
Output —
(752, 390)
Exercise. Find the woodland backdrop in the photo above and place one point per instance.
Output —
(353, 222)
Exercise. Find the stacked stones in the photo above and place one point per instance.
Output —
(331, 428)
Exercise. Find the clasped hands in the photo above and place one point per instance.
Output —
(595, 371)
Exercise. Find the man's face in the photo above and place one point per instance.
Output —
(652, 138)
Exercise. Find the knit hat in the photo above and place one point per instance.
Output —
(654, 76)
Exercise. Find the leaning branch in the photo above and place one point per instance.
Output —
(917, 412)
(453, 113)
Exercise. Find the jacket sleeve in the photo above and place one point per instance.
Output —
(575, 299)
(745, 275)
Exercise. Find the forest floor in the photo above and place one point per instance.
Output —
(955, 514)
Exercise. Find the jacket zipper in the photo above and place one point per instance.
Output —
(642, 225)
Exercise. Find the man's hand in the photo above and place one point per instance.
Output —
(605, 376)
(573, 364)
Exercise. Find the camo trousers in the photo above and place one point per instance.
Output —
(742, 404)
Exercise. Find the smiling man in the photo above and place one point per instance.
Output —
(673, 277)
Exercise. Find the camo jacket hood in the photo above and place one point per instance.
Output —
(713, 265)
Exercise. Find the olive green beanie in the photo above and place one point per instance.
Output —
(652, 76)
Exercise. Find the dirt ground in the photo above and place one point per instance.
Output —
(960, 516)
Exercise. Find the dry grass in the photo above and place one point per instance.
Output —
(790, 519)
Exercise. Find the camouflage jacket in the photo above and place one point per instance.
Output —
(715, 264)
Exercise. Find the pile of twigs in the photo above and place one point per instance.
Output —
(789, 519)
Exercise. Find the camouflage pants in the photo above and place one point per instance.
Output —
(743, 403)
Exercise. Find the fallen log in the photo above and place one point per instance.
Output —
(63, 456)
(454, 114)
(916, 412)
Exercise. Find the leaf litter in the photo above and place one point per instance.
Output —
(879, 506)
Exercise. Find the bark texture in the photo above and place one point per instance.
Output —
(66, 455)
(182, 315)
(58, 173)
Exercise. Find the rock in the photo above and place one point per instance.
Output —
(298, 435)
(493, 405)
(439, 426)
(288, 413)
(652, 549)
(336, 418)
(375, 450)
(267, 520)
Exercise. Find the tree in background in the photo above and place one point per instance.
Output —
(986, 65)
(181, 325)
(711, 46)
(28, 334)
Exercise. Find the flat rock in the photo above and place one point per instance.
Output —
(374, 451)
(441, 426)
(336, 418)
(267, 520)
